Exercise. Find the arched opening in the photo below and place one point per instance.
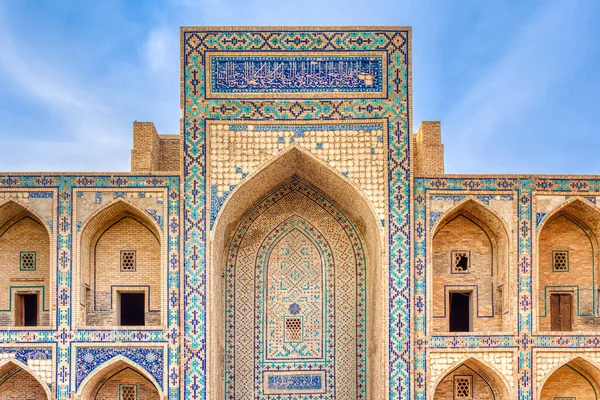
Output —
(121, 379)
(17, 382)
(471, 379)
(25, 253)
(470, 253)
(576, 379)
(296, 212)
(120, 268)
(567, 273)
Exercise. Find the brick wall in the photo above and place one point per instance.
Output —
(153, 152)
(565, 232)
(570, 383)
(24, 234)
(466, 233)
(170, 147)
(22, 386)
(428, 149)
(105, 265)
(481, 390)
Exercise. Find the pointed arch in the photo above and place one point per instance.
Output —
(493, 221)
(580, 208)
(36, 236)
(12, 210)
(578, 218)
(491, 291)
(495, 380)
(582, 365)
(90, 232)
(295, 162)
(104, 372)
(12, 363)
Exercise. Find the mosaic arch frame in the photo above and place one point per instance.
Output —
(305, 102)
(55, 346)
(523, 352)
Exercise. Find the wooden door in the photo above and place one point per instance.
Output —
(19, 310)
(561, 314)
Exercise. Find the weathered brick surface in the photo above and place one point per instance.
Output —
(22, 386)
(569, 382)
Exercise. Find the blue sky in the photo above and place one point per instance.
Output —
(515, 83)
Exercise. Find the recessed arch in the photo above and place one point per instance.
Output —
(488, 374)
(570, 232)
(93, 229)
(575, 376)
(24, 231)
(297, 163)
(473, 231)
(10, 369)
(94, 382)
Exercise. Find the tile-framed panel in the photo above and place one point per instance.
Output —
(294, 105)
(62, 335)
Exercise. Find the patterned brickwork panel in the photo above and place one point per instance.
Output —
(560, 260)
(357, 150)
(127, 260)
(463, 387)
(461, 261)
(28, 261)
(128, 392)
(295, 299)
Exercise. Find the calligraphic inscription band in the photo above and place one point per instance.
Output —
(294, 382)
(324, 75)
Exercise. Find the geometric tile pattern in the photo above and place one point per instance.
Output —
(237, 148)
(89, 358)
(296, 261)
(297, 102)
(524, 341)
(62, 336)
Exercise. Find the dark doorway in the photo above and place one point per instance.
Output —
(460, 312)
(560, 312)
(132, 310)
(26, 310)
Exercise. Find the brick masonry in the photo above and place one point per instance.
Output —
(351, 141)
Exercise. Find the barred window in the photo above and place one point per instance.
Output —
(560, 260)
(293, 329)
(463, 387)
(28, 261)
(461, 261)
(128, 392)
(127, 260)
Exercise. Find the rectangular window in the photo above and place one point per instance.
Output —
(27, 261)
(127, 260)
(463, 387)
(560, 261)
(131, 309)
(26, 309)
(460, 311)
(560, 311)
(127, 392)
(461, 261)
(293, 329)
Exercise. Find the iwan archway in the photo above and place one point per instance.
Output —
(295, 292)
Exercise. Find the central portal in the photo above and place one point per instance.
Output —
(295, 300)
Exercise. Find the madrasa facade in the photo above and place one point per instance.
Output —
(298, 239)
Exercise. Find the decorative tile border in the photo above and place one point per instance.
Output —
(394, 108)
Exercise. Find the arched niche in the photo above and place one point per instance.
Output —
(470, 254)
(116, 232)
(295, 164)
(473, 379)
(108, 379)
(26, 251)
(576, 378)
(567, 268)
(17, 381)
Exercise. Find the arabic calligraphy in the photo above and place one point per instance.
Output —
(272, 74)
